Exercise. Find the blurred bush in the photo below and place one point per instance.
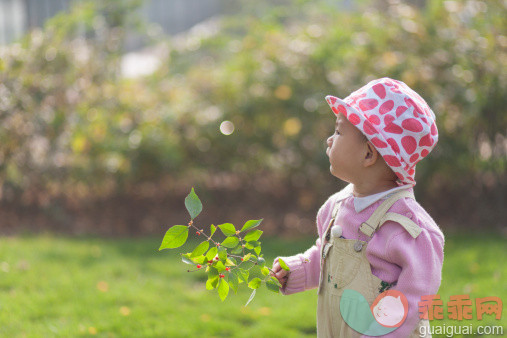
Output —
(63, 103)
(237, 103)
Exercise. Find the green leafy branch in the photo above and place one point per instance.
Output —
(234, 261)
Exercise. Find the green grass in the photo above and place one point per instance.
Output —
(54, 286)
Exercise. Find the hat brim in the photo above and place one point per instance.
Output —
(368, 129)
(338, 106)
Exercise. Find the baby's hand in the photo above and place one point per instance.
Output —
(280, 274)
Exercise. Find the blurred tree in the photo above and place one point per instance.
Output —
(269, 74)
(268, 71)
(56, 88)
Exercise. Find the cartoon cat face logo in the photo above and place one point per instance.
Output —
(389, 311)
(390, 308)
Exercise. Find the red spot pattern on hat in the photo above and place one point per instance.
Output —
(400, 110)
(397, 121)
(426, 141)
(342, 109)
(374, 119)
(409, 144)
(392, 161)
(378, 143)
(394, 145)
(354, 119)
(412, 125)
(379, 90)
(388, 119)
(386, 107)
(368, 104)
(368, 128)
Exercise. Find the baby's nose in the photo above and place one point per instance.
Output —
(329, 141)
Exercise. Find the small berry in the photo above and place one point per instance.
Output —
(210, 262)
(218, 244)
(242, 259)
(199, 266)
(198, 233)
(216, 258)
(221, 276)
(227, 269)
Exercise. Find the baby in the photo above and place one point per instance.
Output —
(373, 235)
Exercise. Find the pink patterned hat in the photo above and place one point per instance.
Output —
(398, 122)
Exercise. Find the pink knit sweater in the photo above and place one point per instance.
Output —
(394, 256)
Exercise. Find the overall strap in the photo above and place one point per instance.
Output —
(337, 204)
(380, 215)
(336, 207)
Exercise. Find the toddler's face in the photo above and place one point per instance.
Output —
(346, 150)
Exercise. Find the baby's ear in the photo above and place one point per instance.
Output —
(371, 154)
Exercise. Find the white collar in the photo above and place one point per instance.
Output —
(361, 203)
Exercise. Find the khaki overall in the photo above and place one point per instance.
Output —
(344, 266)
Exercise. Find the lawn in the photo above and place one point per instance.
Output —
(56, 286)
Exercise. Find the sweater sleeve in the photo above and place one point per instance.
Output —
(304, 270)
(305, 267)
(421, 261)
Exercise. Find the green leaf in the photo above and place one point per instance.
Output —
(257, 250)
(212, 282)
(243, 275)
(237, 250)
(273, 285)
(251, 224)
(253, 235)
(219, 266)
(223, 289)
(274, 280)
(247, 257)
(230, 261)
(200, 249)
(174, 237)
(228, 229)
(212, 229)
(251, 297)
(230, 242)
(211, 253)
(255, 271)
(199, 260)
(233, 282)
(187, 260)
(265, 271)
(193, 204)
(261, 261)
(255, 283)
(213, 272)
(222, 253)
(283, 264)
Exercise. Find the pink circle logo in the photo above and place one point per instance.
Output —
(390, 308)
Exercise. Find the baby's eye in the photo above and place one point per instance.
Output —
(337, 132)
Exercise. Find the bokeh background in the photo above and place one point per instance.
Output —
(110, 111)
